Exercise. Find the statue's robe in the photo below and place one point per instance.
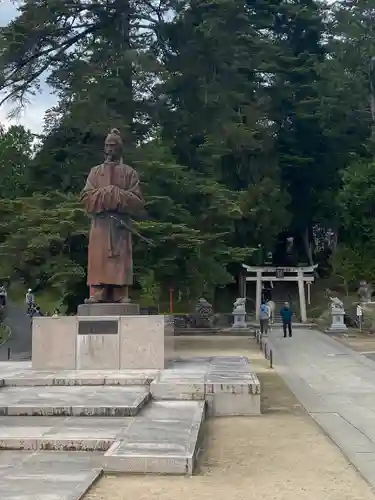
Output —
(111, 195)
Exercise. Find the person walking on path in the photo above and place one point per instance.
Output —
(29, 298)
(286, 317)
(3, 296)
(264, 318)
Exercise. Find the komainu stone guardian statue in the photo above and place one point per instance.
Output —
(203, 315)
(239, 313)
(111, 196)
(365, 291)
(337, 314)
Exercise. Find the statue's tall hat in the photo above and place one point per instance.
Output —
(115, 135)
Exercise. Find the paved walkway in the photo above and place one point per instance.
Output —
(20, 342)
(46, 476)
(336, 386)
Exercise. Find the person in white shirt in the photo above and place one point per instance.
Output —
(264, 318)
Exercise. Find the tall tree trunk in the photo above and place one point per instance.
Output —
(125, 68)
(308, 246)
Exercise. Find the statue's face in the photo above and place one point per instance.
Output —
(112, 149)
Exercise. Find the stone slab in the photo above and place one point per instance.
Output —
(233, 382)
(205, 364)
(233, 405)
(79, 377)
(98, 352)
(177, 384)
(164, 439)
(119, 401)
(346, 436)
(365, 463)
(108, 309)
(226, 383)
(47, 476)
(10, 368)
(54, 343)
(145, 341)
(61, 433)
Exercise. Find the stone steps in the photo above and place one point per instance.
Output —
(61, 433)
(47, 476)
(227, 385)
(119, 401)
(164, 439)
(78, 377)
(44, 411)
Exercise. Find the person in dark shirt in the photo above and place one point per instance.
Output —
(38, 312)
(286, 317)
(3, 296)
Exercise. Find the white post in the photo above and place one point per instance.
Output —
(302, 299)
(309, 292)
(258, 294)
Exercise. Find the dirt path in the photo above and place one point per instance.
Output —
(361, 342)
(281, 455)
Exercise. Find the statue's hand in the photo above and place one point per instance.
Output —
(108, 189)
(110, 197)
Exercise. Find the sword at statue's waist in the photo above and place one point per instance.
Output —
(124, 224)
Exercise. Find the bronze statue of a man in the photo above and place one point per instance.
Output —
(111, 195)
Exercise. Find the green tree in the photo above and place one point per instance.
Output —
(91, 53)
(354, 259)
(348, 111)
(308, 171)
(43, 240)
(214, 113)
(15, 160)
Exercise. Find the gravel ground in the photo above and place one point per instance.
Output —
(363, 343)
(281, 455)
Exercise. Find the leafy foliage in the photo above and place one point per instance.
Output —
(354, 258)
(249, 122)
(15, 155)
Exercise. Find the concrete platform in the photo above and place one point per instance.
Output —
(49, 410)
(46, 476)
(61, 433)
(102, 342)
(73, 401)
(226, 383)
(78, 377)
(164, 439)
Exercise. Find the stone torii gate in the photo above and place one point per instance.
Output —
(301, 275)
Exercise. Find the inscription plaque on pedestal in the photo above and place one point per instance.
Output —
(98, 327)
(279, 273)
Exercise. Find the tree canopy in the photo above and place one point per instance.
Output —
(249, 122)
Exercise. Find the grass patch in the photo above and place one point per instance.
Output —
(47, 300)
(5, 333)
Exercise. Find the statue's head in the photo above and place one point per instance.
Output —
(113, 146)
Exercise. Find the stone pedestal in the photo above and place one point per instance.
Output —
(102, 342)
(239, 319)
(108, 309)
(338, 324)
